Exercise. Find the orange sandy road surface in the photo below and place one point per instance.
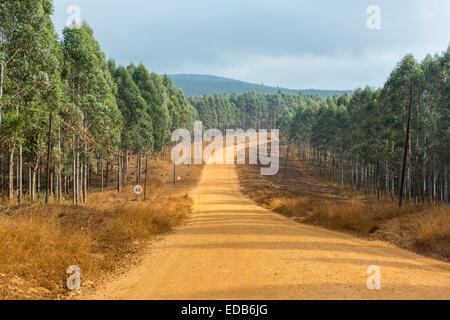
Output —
(231, 248)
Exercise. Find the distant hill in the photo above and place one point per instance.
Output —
(199, 85)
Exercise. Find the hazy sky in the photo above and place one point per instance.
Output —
(299, 44)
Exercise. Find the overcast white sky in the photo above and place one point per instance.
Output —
(299, 44)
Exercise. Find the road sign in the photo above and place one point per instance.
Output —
(138, 190)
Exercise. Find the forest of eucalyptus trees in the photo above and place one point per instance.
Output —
(392, 142)
(360, 140)
(67, 114)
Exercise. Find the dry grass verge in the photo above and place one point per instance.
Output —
(35, 251)
(425, 230)
(38, 243)
(37, 247)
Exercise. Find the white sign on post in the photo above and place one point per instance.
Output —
(138, 190)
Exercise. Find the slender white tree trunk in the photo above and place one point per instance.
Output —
(20, 188)
(2, 71)
(34, 181)
(11, 172)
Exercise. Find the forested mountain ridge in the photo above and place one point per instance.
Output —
(199, 85)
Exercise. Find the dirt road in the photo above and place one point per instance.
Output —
(232, 249)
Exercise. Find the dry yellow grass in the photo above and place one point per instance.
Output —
(433, 231)
(140, 222)
(357, 216)
(292, 207)
(38, 243)
(37, 247)
(423, 229)
(310, 200)
(36, 251)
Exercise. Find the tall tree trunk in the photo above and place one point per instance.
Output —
(286, 163)
(34, 180)
(119, 173)
(2, 71)
(174, 173)
(85, 180)
(11, 172)
(138, 169)
(30, 186)
(74, 171)
(101, 170)
(81, 179)
(64, 184)
(59, 169)
(3, 183)
(49, 154)
(446, 191)
(341, 167)
(405, 155)
(20, 175)
(37, 189)
(78, 182)
(424, 172)
(107, 174)
(435, 180)
(124, 166)
(52, 179)
(145, 178)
